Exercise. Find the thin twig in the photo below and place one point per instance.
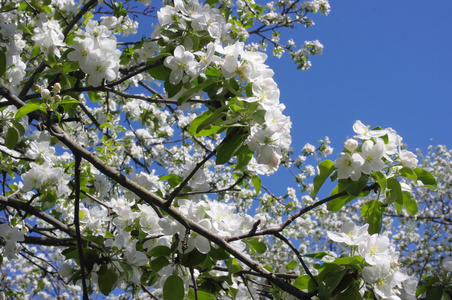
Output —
(81, 257)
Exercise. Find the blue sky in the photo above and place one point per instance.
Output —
(386, 63)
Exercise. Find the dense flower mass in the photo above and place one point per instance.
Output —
(131, 161)
(381, 268)
(374, 153)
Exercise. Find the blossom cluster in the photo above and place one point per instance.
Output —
(382, 270)
(268, 138)
(379, 147)
(12, 44)
(95, 51)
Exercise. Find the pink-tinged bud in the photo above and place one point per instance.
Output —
(275, 161)
(57, 87)
(58, 98)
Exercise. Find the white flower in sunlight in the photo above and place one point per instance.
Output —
(41, 149)
(408, 158)
(350, 234)
(349, 166)
(372, 155)
(82, 48)
(375, 249)
(11, 235)
(381, 279)
(365, 133)
(183, 62)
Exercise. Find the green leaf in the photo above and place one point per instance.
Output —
(257, 246)
(395, 193)
(48, 200)
(244, 155)
(128, 270)
(193, 130)
(152, 60)
(107, 278)
(372, 211)
(257, 183)
(94, 96)
(233, 266)
(218, 114)
(173, 179)
(304, 282)
(410, 203)
(35, 52)
(192, 258)
(158, 263)
(354, 188)
(173, 289)
(159, 73)
(329, 283)
(28, 108)
(426, 178)
(233, 87)
(325, 169)
(319, 255)
(354, 261)
(186, 95)
(172, 89)
(69, 100)
(336, 204)
(408, 173)
(99, 240)
(201, 295)
(160, 251)
(381, 180)
(291, 265)
(2, 63)
(425, 284)
(11, 138)
(19, 127)
(434, 292)
(226, 150)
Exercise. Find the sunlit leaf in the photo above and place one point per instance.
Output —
(325, 168)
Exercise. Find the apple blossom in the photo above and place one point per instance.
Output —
(140, 169)
(349, 166)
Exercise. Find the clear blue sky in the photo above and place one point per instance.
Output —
(387, 63)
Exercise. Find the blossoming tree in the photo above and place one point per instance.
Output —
(131, 163)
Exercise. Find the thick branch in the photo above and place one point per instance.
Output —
(36, 212)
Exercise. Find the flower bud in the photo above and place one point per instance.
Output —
(45, 94)
(351, 144)
(57, 87)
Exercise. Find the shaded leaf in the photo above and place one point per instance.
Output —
(173, 289)
(107, 278)
(186, 95)
(226, 150)
(372, 211)
(11, 138)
